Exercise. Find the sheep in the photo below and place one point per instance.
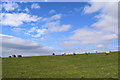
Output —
(86, 53)
(19, 55)
(14, 55)
(63, 53)
(107, 53)
(68, 54)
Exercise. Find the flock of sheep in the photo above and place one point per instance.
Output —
(15, 55)
(86, 53)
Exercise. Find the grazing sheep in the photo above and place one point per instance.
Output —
(63, 54)
(14, 55)
(107, 53)
(19, 55)
(86, 53)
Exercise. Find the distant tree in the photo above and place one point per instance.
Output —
(88, 52)
(74, 53)
(53, 53)
(96, 51)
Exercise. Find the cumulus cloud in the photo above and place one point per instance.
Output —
(14, 45)
(54, 17)
(90, 36)
(53, 25)
(26, 10)
(45, 0)
(36, 30)
(94, 7)
(17, 29)
(16, 19)
(81, 1)
(101, 33)
(56, 27)
(52, 11)
(108, 17)
(9, 6)
(35, 6)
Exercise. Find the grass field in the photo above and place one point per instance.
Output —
(77, 66)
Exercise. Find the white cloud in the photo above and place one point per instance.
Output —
(56, 27)
(45, 0)
(40, 32)
(36, 30)
(49, 26)
(82, 0)
(0, 7)
(26, 9)
(16, 19)
(52, 11)
(100, 46)
(103, 0)
(14, 45)
(9, 6)
(94, 7)
(54, 17)
(19, 30)
(53, 25)
(90, 36)
(102, 32)
(108, 17)
(35, 6)
(32, 29)
(107, 23)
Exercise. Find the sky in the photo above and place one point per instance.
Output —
(41, 28)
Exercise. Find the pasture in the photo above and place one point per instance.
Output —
(76, 66)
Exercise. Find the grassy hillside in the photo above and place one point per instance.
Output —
(77, 66)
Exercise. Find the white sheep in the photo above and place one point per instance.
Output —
(107, 53)
(85, 53)
(63, 53)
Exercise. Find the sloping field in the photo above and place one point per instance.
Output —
(76, 66)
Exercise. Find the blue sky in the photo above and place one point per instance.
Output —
(40, 28)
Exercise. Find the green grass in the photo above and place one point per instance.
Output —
(0, 68)
(77, 66)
